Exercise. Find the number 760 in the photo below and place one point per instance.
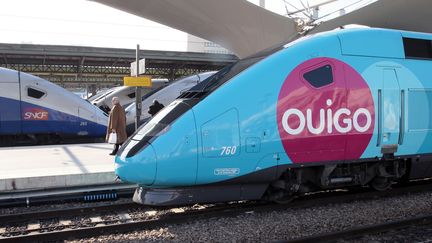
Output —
(228, 150)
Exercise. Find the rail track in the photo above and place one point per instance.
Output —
(99, 220)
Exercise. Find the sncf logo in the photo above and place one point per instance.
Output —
(35, 114)
(339, 120)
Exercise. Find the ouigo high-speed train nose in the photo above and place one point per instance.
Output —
(142, 159)
(139, 168)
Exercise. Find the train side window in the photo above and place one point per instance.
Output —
(131, 95)
(319, 77)
(417, 48)
(34, 93)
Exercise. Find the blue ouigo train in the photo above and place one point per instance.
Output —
(337, 109)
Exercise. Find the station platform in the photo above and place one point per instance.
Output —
(55, 166)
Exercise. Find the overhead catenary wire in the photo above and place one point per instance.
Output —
(307, 8)
(365, 2)
(298, 10)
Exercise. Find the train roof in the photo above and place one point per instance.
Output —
(10, 75)
(375, 42)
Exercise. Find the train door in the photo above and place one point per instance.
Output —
(389, 109)
(220, 148)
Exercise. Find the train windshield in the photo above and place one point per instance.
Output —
(156, 125)
(211, 81)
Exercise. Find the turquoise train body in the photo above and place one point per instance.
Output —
(336, 109)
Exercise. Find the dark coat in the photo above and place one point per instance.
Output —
(117, 121)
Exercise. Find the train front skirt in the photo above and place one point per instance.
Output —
(198, 194)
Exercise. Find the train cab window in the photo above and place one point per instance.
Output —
(34, 93)
(319, 77)
(417, 48)
(131, 95)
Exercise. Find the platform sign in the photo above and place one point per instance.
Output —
(142, 81)
(133, 67)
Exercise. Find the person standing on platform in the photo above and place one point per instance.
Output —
(117, 124)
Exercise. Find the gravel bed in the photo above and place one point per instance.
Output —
(422, 233)
(283, 225)
(14, 210)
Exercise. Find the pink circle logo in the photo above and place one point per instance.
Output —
(325, 112)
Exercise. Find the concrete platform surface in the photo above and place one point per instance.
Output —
(45, 167)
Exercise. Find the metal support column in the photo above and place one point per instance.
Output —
(137, 93)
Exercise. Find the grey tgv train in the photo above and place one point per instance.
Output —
(125, 94)
(164, 95)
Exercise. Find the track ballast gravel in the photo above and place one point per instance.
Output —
(286, 224)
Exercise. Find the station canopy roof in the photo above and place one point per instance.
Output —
(237, 25)
(411, 15)
(245, 28)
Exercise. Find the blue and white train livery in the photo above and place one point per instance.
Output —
(36, 108)
(342, 108)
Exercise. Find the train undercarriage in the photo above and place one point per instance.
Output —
(379, 175)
